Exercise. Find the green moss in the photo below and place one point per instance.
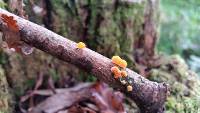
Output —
(105, 27)
(5, 95)
(3, 4)
(184, 85)
(86, 77)
(3, 58)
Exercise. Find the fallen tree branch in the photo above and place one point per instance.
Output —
(149, 96)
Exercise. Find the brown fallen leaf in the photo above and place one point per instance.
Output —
(101, 99)
(107, 100)
(60, 101)
(78, 109)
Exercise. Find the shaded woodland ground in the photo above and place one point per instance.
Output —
(124, 28)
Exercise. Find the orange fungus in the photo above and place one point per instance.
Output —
(118, 61)
(81, 45)
(123, 64)
(115, 70)
(129, 88)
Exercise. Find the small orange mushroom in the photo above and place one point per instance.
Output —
(116, 71)
(124, 73)
(118, 61)
(81, 45)
(123, 64)
(129, 88)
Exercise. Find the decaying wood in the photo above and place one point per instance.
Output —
(149, 96)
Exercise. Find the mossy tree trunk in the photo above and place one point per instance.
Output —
(144, 45)
(116, 27)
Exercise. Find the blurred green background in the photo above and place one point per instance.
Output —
(180, 30)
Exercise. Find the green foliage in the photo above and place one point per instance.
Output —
(3, 4)
(180, 21)
(86, 77)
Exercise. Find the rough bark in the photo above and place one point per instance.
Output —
(144, 46)
(149, 96)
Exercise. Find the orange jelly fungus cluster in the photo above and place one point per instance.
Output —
(81, 45)
(122, 64)
(122, 74)
(118, 61)
(116, 71)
